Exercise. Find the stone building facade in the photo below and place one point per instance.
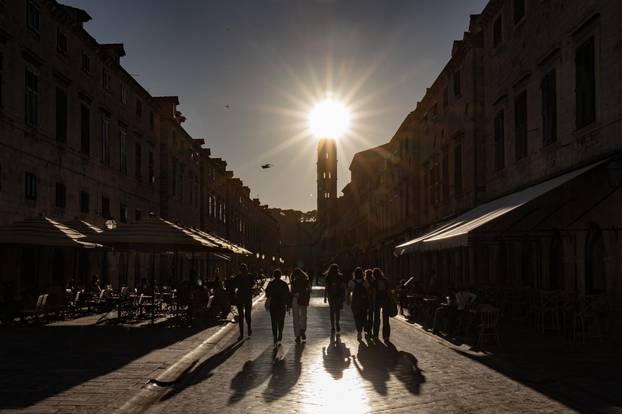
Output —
(81, 139)
(511, 157)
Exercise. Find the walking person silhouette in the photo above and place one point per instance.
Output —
(334, 293)
(243, 284)
(359, 300)
(382, 302)
(278, 300)
(301, 295)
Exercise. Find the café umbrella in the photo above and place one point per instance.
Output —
(42, 231)
(153, 235)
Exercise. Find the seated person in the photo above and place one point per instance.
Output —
(445, 312)
(464, 302)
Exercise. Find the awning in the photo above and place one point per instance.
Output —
(153, 235)
(455, 232)
(42, 231)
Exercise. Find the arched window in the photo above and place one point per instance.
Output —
(556, 279)
(595, 276)
(503, 275)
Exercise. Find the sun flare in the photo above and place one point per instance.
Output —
(329, 118)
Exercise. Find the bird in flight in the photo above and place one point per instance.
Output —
(266, 166)
(227, 106)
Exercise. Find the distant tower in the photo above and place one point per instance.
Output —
(326, 181)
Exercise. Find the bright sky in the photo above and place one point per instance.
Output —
(248, 72)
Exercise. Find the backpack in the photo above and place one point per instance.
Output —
(360, 298)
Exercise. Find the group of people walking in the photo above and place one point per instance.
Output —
(368, 293)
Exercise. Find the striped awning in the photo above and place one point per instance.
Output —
(154, 234)
(84, 227)
(458, 231)
(223, 243)
(42, 231)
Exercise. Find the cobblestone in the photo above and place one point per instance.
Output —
(412, 374)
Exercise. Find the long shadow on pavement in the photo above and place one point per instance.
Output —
(203, 371)
(38, 363)
(253, 374)
(336, 357)
(376, 361)
(285, 374)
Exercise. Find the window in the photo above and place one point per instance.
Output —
(106, 80)
(123, 94)
(548, 89)
(32, 99)
(123, 149)
(139, 108)
(106, 208)
(85, 129)
(1, 77)
(105, 139)
(61, 116)
(181, 181)
(595, 268)
(457, 86)
(585, 84)
(497, 31)
(84, 202)
(458, 168)
(519, 10)
(86, 63)
(61, 41)
(174, 176)
(138, 215)
(445, 182)
(32, 15)
(151, 120)
(520, 125)
(151, 169)
(61, 195)
(138, 161)
(445, 97)
(123, 213)
(499, 134)
(30, 186)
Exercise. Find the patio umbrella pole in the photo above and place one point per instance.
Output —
(152, 288)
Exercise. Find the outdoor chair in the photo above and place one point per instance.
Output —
(488, 325)
(587, 323)
(73, 308)
(32, 313)
(548, 311)
(145, 305)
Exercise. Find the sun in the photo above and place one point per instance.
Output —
(329, 118)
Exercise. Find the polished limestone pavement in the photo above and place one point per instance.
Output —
(412, 373)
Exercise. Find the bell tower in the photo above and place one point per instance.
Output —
(326, 181)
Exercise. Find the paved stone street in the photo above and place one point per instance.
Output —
(414, 374)
(85, 369)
